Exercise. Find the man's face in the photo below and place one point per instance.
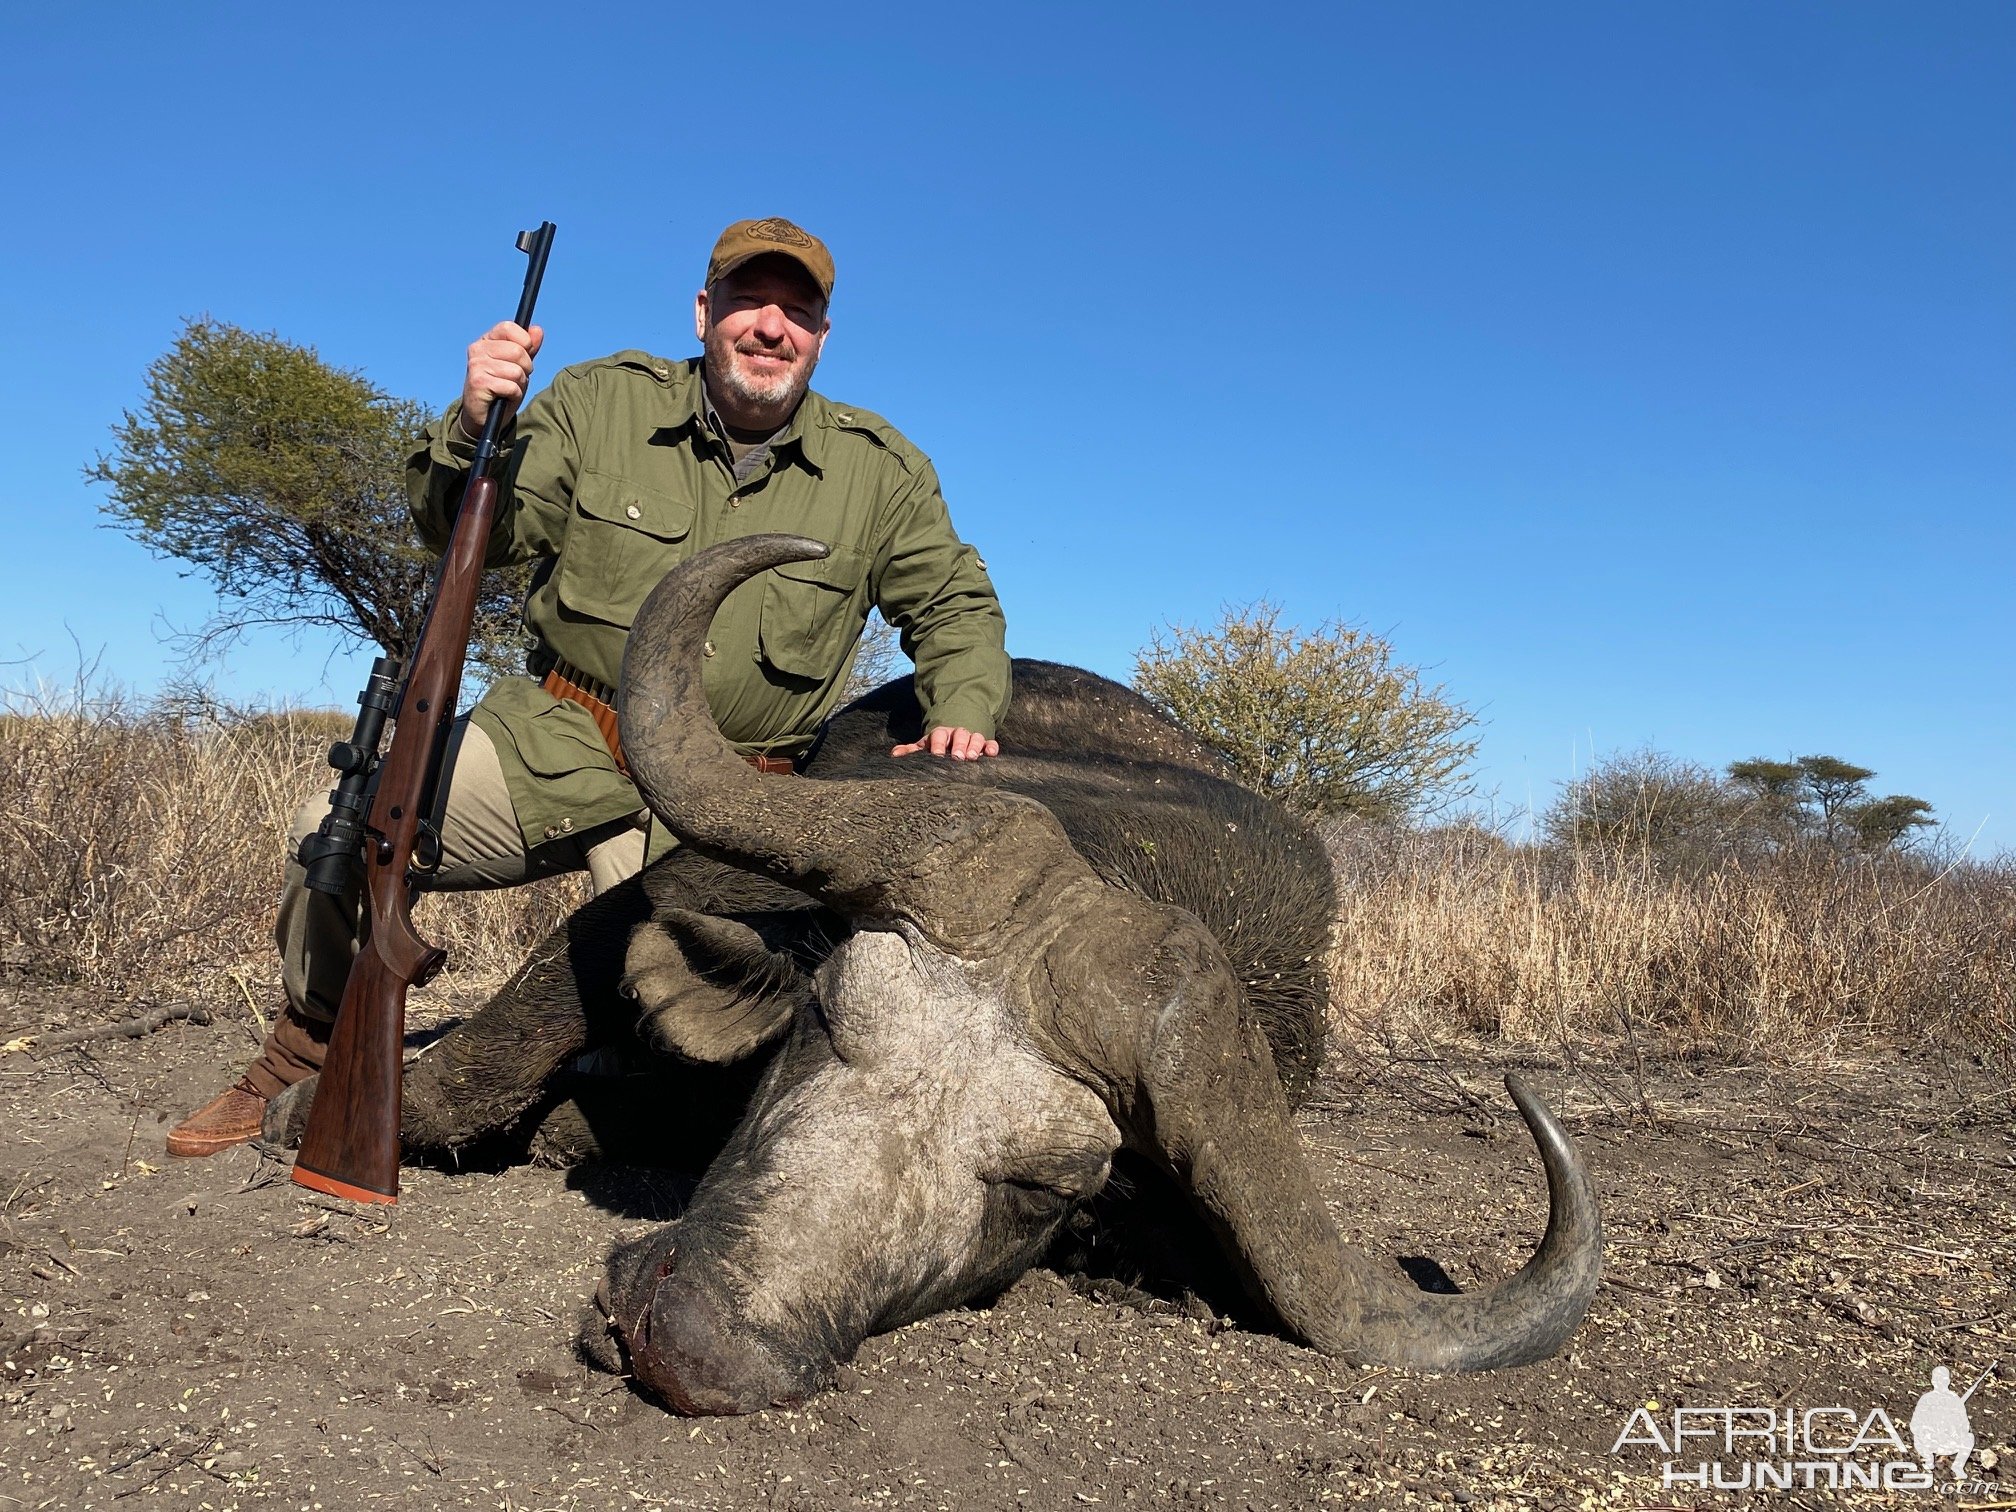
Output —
(761, 329)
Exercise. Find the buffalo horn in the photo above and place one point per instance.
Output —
(1222, 1123)
(877, 851)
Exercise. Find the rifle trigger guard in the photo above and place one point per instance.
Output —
(426, 851)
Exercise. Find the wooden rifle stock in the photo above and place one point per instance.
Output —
(351, 1145)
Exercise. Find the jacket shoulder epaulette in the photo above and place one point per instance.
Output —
(847, 420)
(665, 369)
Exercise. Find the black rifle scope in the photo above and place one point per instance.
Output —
(331, 853)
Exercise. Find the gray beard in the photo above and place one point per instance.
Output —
(725, 377)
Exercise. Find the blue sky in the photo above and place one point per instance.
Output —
(1645, 370)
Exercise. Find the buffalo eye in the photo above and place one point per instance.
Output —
(1032, 1201)
(1061, 1176)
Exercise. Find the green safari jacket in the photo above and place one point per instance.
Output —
(614, 476)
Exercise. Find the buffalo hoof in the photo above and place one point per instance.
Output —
(287, 1115)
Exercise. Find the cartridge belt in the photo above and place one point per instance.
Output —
(564, 680)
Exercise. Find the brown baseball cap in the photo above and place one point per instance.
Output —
(747, 239)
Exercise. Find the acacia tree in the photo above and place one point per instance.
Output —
(279, 478)
(1329, 722)
(1648, 801)
(1826, 799)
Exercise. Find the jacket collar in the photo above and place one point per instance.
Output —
(803, 435)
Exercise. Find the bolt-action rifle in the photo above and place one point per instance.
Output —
(380, 817)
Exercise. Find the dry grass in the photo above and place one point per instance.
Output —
(142, 849)
(141, 859)
(1781, 959)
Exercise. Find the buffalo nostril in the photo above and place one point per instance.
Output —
(703, 1365)
(635, 1273)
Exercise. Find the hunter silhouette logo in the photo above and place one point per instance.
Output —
(778, 229)
(1779, 1448)
(1939, 1426)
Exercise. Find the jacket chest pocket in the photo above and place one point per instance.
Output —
(621, 538)
(813, 613)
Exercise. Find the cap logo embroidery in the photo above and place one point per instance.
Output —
(778, 229)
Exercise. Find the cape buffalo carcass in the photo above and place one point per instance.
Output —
(927, 1004)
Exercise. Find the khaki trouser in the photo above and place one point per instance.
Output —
(482, 846)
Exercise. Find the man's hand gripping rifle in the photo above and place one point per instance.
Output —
(379, 818)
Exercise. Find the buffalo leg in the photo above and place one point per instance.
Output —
(490, 1070)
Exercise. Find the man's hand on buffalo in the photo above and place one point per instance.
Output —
(500, 368)
(945, 740)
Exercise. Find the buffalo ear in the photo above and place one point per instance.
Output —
(710, 989)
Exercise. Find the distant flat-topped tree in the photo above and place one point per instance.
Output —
(1646, 801)
(1826, 799)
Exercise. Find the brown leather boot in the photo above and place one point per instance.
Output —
(230, 1118)
(293, 1050)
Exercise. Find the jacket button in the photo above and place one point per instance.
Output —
(566, 824)
(552, 832)
(708, 649)
(634, 512)
(735, 501)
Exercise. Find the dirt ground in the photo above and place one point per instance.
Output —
(204, 1332)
